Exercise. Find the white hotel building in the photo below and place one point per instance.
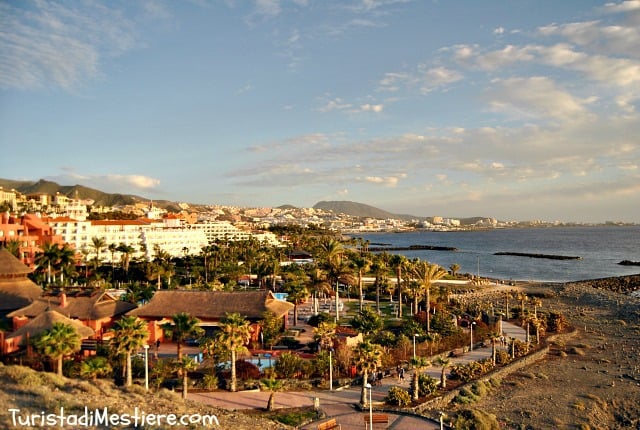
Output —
(143, 236)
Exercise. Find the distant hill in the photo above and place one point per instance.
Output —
(359, 210)
(79, 191)
(366, 211)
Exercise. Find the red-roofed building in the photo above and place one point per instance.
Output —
(30, 232)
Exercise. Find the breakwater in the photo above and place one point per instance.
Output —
(412, 248)
(547, 256)
(629, 263)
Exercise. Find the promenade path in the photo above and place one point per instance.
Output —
(341, 403)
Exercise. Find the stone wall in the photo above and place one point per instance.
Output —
(443, 401)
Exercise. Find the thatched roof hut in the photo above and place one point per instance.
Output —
(16, 290)
(84, 305)
(44, 322)
(212, 305)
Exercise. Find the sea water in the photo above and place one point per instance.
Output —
(600, 250)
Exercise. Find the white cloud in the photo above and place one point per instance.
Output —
(110, 182)
(137, 181)
(510, 54)
(372, 108)
(625, 6)
(426, 79)
(334, 104)
(536, 97)
(59, 44)
(388, 181)
(392, 81)
(268, 7)
(437, 77)
(498, 30)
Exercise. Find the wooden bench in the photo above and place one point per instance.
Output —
(375, 419)
(329, 425)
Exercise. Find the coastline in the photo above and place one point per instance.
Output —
(600, 250)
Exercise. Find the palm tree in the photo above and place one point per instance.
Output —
(272, 385)
(507, 296)
(426, 273)
(398, 263)
(495, 337)
(325, 334)
(418, 363)
(444, 362)
(98, 244)
(318, 284)
(537, 303)
(60, 340)
(48, 257)
(522, 297)
(296, 289)
(182, 327)
(380, 269)
(368, 357)
(184, 365)
(13, 246)
(235, 333)
(361, 264)
(95, 367)
(454, 269)
(331, 253)
(112, 249)
(432, 338)
(130, 334)
(66, 260)
(127, 251)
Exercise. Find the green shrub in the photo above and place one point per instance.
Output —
(479, 388)
(288, 365)
(474, 419)
(398, 397)
(502, 357)
(427, 385)
(210, 382)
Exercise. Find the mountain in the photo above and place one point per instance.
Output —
(360, 210)
(81, 192)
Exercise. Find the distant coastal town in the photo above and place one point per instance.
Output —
(183, 228)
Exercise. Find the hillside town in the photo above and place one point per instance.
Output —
(35, 218)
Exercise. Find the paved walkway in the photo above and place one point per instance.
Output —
(341, 403)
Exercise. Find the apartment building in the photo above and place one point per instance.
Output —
(29, 232)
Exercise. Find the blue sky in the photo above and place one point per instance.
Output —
(517, 110)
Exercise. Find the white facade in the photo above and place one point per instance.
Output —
(147, 235)
(9, 196)
(175, 241)
(221, 230)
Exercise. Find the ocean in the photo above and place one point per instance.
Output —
(600, 250)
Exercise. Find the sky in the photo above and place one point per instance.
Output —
(517, 110)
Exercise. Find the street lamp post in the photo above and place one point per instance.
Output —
(414, 345)
(471, 327)
(146, 367)
(368, 386)
(330, 371)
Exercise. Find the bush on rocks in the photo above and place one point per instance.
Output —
(398, 397)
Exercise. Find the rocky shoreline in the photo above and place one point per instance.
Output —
(620, 284)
